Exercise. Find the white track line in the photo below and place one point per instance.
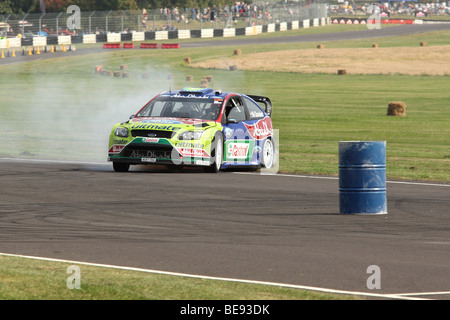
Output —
(337, 178)
(403, 296)
(249, 173)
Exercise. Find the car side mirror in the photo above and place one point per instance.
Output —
(131, 117)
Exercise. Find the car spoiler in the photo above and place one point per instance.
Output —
(266, 101)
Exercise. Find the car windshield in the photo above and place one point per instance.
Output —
(182, 107)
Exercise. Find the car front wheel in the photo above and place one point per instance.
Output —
(216, 154)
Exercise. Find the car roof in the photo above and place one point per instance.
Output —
(196, 92)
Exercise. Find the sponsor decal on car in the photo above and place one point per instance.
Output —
(239, 149)
(260, 130)
(116, 149)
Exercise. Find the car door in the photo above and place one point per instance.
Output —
(240, 146)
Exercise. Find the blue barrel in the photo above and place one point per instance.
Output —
(362, 177)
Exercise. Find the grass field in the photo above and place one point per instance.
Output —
(23, 278)
(60, 109)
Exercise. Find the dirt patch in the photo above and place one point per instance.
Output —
(429, 60)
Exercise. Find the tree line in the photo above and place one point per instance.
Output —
(36, 6)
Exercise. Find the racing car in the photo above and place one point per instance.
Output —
(196, 127)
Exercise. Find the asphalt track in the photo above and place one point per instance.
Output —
(276, 228)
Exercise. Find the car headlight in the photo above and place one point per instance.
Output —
(121, 132)
(190, 135)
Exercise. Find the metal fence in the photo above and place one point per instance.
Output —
(98, 22)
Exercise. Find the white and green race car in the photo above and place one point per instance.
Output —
(196, 127)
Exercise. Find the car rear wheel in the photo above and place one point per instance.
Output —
(268, 154)
(121, 167)
(216, 154)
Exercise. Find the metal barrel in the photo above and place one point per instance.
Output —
(362, 177)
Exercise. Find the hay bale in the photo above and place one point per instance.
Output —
(396, 108)
(123, 67)
(237, 52)
(189, 78)
(187, 60)
(117, 74)
(320, 46)
(342, 71)
(423, 44)
(144, 75)
(209, 78)
(375, 45)
(125, 75)
(233, 67)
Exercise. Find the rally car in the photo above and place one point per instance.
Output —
(196, 127)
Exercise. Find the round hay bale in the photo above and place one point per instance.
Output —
(209, 78)
(125, 74)
(187, 60)
(233, 67)
(342, 71)
(320, 46)
(237, 52)
(123, 67)
(117, 74)
(189, 78)
(423, 44)
(375, 45)
(108, 73)
(396, 108)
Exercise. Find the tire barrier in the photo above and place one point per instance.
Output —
(111, 39)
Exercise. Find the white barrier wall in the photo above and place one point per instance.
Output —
(64, 39)
(295, 25)
(271, 27)
(89, 38)
(207, 33)
(138, 36)
(305, 23)
(283, 26)
(113, 37)
(229, 32)
(184, 34)
(251, 31)
(161, 35)
(39, 41)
